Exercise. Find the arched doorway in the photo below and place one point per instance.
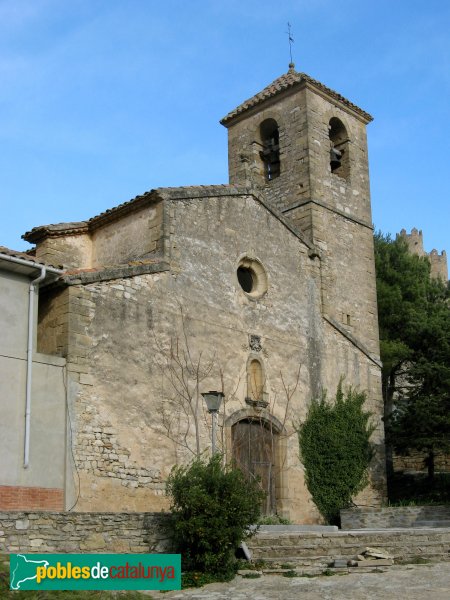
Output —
(254, 443)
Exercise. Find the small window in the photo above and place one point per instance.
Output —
(252, 277)
(339, 148)
(270, 153)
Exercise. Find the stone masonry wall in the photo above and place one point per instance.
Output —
(348, 276)
(138, 236)
(83, 532)
(95, 439)
(52, 332)
(393, 516)
(415, 462)
(103, 447)
(246, 166)
(70, 251)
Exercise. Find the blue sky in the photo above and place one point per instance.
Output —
(101, 100)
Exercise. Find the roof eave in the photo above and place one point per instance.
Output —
(227, 121)
(344, 104)
(42, 232)
(24, 266)
(305, 81)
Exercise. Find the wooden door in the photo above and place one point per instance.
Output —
(254, 453)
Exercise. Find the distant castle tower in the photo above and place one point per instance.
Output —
(438, 261)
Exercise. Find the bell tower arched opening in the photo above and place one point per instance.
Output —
(339, 151)
(270, 153)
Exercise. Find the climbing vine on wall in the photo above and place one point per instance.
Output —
(336, 451)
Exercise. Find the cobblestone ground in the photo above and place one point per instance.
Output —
(409, 582)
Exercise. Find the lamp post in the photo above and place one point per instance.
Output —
(213, 401)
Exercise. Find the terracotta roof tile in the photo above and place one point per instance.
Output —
(289, 80)
(25, 256)
(17, 254)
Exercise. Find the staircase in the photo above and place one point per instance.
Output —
(319, 549)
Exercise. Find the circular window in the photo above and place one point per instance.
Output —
(252, 277)
(246, 278)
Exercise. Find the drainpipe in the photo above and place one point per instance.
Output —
(32, 289)
(33, 284)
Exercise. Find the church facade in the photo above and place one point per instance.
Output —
(262, 289)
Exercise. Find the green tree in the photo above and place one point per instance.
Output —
(212, 509)
(414, 320)
(402, 282)
(336, 451)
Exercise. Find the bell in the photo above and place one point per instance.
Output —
(335, 159)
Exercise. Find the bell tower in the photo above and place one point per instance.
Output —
(304, 147)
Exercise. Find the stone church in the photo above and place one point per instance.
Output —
(262, 289)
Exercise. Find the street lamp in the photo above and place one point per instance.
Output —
(213, 401)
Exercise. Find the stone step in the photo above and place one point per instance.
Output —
(293, 529)
(323, 562)
(320, 549)
(365, 537)
(433, 523)
(335, 553)
(348, 550)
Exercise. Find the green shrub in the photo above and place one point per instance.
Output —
(212, 508)
(335, 450)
